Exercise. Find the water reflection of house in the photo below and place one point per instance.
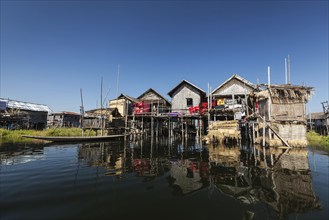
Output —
(225, 156)
(103, 155)
(188, 175)
(149, 167)
(185, 177)
(21, 155)
(227, 172)
(285, 183)
(288, 187)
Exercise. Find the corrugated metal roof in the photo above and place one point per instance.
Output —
(26, 106)
(236, 76)
(65, 113)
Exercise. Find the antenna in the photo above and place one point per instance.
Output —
(118, 80)
(288, 69)
(268, 76)
(285, 69)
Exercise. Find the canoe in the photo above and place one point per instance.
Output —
(76, 138)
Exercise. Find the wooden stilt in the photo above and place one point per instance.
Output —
(253, 132)
(264, 133)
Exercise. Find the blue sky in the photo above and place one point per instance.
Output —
(51, 49)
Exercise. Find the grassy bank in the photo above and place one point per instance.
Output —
(314, 139)
(15, 136)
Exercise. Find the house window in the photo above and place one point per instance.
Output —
(189, 102)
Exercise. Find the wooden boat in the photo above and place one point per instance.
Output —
(76, 138)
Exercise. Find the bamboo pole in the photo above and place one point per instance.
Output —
(286, 143)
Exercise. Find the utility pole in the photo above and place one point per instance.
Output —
(102, 106)
(82, 112)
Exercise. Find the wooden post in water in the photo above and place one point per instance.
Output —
(126, 115)
(264, 132)
(168, 129)
(265, 156)
(182, 123)
(172, 134)
(152, 120)
(253, 132)
(255, 154)
(200, 127)
(134, 127)
(157, 127)
(264, 128)
(186, 129)
(152, 125)
(142, 126)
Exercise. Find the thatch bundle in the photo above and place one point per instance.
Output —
(220, 130)
(262, 95)
(233, 124)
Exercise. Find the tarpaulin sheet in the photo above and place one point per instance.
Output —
(3, 105)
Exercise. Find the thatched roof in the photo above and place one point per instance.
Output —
(286, 94)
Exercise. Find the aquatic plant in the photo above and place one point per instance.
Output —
(315, 139)
(15, 136)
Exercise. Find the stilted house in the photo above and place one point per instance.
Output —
(125, 108)
(229, 100)
(93, 118)
(282, 111)
(124, 104)
(186, 95)
(23, 115)
(317, 121)
(154, 101)
(229, 105)
(325, 106)
(64, 119)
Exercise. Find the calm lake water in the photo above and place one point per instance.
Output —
(161, 180)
